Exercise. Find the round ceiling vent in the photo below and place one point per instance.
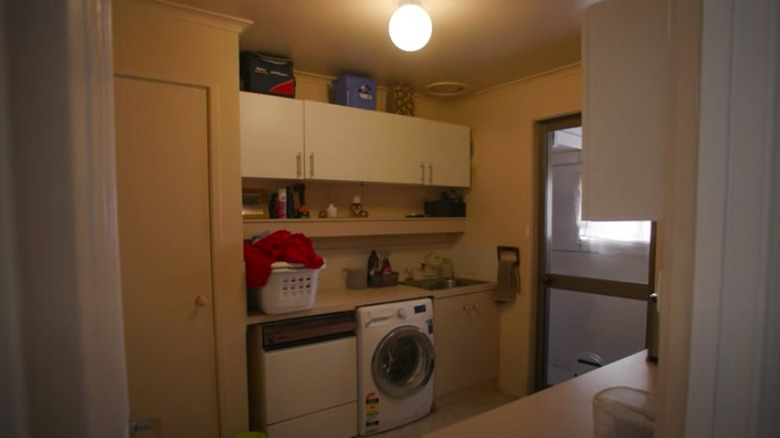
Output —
(446, 89)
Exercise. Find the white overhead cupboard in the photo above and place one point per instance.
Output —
(296, 139)
(271, 136)
(624, 113)
(445, 151)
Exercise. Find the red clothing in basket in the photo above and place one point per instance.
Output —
(279, 246)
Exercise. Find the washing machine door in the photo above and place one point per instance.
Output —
(403, 362)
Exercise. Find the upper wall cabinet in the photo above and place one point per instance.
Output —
(352, 144)
(446, 152)
(624, 58)
(271, 136)
(359, 145)
(294, 139)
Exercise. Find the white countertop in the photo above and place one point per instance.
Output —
(339, 300)
(565, 410)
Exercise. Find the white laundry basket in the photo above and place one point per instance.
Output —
(290, 287)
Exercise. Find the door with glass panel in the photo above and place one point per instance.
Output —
(595, 278)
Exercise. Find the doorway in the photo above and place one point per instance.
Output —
(595, 278)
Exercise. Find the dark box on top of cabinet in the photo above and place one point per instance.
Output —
(267, 74)
(354, 91)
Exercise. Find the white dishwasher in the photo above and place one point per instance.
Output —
(303, 377)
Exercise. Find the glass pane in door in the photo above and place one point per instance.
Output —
(591, 330)
(596, 279)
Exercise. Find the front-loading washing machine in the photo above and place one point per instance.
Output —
(395, 364)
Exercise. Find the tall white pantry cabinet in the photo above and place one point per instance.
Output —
(178, 204)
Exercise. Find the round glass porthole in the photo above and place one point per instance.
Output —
(403, 362)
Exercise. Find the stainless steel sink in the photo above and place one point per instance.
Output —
(443, 283)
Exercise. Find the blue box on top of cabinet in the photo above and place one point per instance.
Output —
(354, 91)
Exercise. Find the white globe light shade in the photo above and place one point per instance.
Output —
(410, 28)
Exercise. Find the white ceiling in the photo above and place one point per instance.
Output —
(482, 43)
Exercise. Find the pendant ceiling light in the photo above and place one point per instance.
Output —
(410, 27)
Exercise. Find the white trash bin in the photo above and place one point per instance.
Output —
(622, 412)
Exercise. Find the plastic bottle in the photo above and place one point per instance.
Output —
(386, 269)
(292, 212)
(373, 264)
(281, 206)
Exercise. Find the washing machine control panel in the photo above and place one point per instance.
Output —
(402, 313)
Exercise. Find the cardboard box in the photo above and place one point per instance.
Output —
(354, 91)
(400, 100)
(267, 74)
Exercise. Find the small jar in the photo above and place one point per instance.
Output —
(356, 207)
(332, 211)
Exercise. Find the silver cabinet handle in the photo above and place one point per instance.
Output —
(422, 173)
(298, 165)
(430, 173)
(311, 165)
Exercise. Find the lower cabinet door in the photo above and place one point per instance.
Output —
(302, 391)
(338, 422)
(293, 388)
(466, 328)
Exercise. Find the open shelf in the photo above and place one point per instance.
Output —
(347, 227)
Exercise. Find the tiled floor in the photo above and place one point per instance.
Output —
(451, 410)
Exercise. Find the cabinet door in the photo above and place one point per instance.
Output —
(162, 158)
(350, 144)
(466, 342)
(271, 137)
(624, 109)
(447, 153)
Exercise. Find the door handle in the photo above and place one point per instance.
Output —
(298, 165)
(594, 364)
(201, 301)
(135, 425)
(311, 165)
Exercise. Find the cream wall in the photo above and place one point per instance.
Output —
(502, 201)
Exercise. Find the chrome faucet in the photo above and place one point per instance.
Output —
(432, 268)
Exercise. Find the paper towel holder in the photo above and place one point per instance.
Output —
(512, 251)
